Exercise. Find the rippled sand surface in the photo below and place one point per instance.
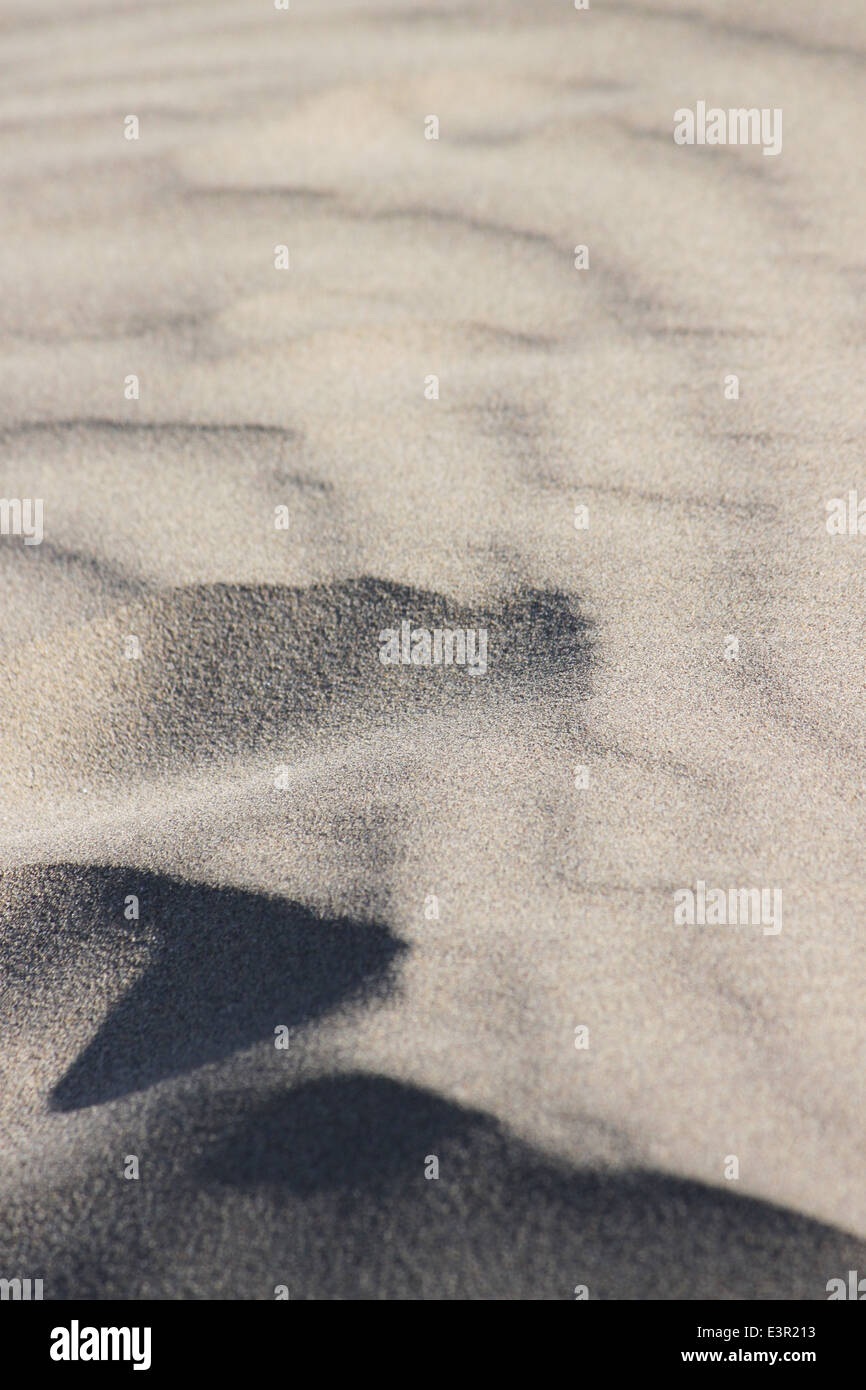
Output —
(291, 814)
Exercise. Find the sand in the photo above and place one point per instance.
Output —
(193, 709)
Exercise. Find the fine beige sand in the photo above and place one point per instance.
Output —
(284, 807)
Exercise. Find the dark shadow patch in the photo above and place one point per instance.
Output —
(323, 1189)
(502, 1220)
(232, 668)
(221, 968)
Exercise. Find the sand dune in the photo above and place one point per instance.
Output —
(432, 878)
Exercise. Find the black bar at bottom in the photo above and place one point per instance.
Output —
(167, 1338)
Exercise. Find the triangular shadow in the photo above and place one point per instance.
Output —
(221, 967)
